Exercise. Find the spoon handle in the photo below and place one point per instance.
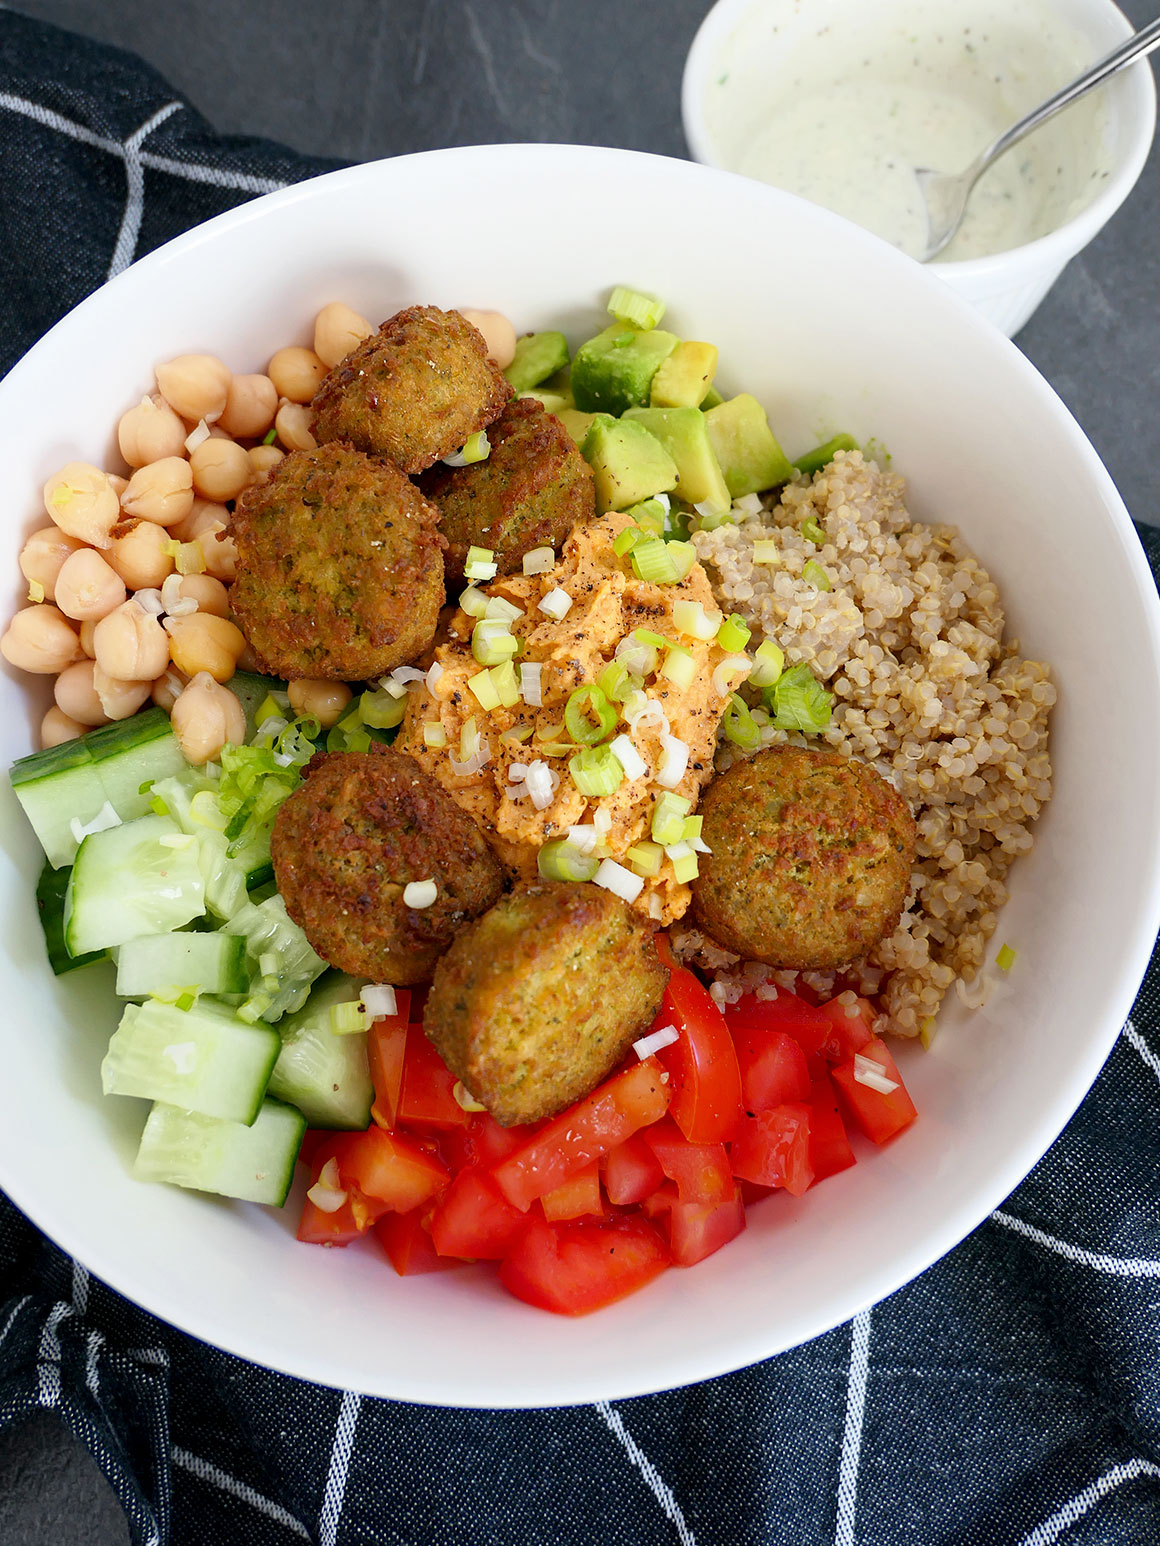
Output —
(1142, 42)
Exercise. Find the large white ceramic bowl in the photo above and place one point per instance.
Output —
(832, 330)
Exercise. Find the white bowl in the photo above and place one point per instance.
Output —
(744, 47)
(832, 330)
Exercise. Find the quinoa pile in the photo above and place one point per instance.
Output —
(909, 639)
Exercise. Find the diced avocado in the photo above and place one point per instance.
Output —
(684, 436)
(578, 424)
(750, 457)
(614, 370)
(683, 379)
(551, 402)
(538, 356)
(628, 464)
(711, 399)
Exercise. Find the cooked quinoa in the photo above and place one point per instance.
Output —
(909, 639)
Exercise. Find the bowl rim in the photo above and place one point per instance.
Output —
(1054, 247)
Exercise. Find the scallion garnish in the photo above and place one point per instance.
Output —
(560, 860)
(588, 716)
(633, 306)
(596, 772)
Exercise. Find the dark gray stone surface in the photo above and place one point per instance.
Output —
(369, 78)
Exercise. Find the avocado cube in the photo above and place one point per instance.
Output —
(683, 379)
(550, 402)
(578, 424)
(684, 436)
(614, 370)
(711, 399)
(750, 457)
(538, 356)
(628, 464)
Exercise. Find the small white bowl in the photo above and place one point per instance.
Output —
(832, 330)
(756, 42)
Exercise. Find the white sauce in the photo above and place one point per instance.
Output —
(840, 102)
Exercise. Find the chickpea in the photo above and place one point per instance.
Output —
(130, 644)
(324, 701)
(206, 515)
(248, 661)
(161, 492)
(119, 699)
(337, 330)
(56, 728)
(138, 553)
(205, 718)
(167, 689)
(293, 423)
(296, 373)
(149, 432)
(76, 695)
(264, 459)
(208, 523)
(40, 639)
(221, 469)
(201, 642)
(250, 407)
(83, 503)
(87, 587)
(195, 385)
(210, 594)
(88, 628)
(43, 554)
(498, 334)
(117, 483)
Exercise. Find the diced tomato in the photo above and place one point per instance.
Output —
(427, 1085)
(701, 1064)
(574, 1198)
(830, 1149)
(807, 1025)
(340, 1226)
(751, 1192)
(697, 1229)
(881, 1117)
(613, 1111)
(311, 1139)
(386, 1047)
(491, 1142)
(773, 1148)
(773, 1067)
(473, 1218)
(700, 1170)
(574, 1268)
(418, 1002)
(631, 1171)
(408, 1244)
(851, 1032)
(389, 1169)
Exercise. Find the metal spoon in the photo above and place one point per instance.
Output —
(945, 194)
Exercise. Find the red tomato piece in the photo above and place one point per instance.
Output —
(773, 1148)
(473, 1218)
(830, 1149)
(631, 1171)
(491, 1142)
(751, 1192)
(389, 1169)
(574, 1198)
(427, 1085)
(697, 1229)
(418, 1001)
(880, 1116)
(312, 1139)
(773, 1067)
(701, 1170)
(613, 1111)
(701, 1063)
(386, 1047)
(851, 1032)
(574, 1268)
(808, 1026)
(408, 1244)
(340, 1226)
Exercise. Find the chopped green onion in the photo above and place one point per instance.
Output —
(480, 564)
(1006, 958)
(269, 437)
(710, 516)
(638, 659)
(434, 735)
(766, 551)
(630, 759)
(799, 701)
(492, 641)
(668, 822)
(649, 515)
(346, 1019)
(596, 772)
(653, 561)
(813, 574)
(679, 666)
(381, 710)
(768, 664)
(738, 725)
(503, 679)
(676, 524)
(692, 832)
(643, 311)
(626, 540)
(518, 733)
(693, 621)
(556, 604)
(813, 461)
(812, 531)
(350, 735)
(267, 709)
(588, 704)
(684, 556)
(616, 681)
(476, 448)
(646, 636)
(501, 607)
(646, 858)
(473, 601)
(468, 739)
(683, 860)
(539, 561)
(734, 633)
(559, 860)
(483, 689)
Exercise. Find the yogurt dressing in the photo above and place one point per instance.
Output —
(840, 102)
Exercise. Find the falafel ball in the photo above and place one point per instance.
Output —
(541, 997)
(340, 569)
(529, 492)
(414, 391)
(360, 829)
(810, 858)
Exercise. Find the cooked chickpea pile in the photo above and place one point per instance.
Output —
(129, 585)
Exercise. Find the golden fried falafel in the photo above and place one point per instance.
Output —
(414, 391)
(541, 997)
(529, 492)
(810, 858)
(340, 568)
(346, 844)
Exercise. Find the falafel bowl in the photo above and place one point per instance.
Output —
(575, 902)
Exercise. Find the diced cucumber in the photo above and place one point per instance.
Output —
(50, 894)
(143, 877)
(207, 1154)
(201, 1059)
(134, 752)
(250, 851)
(163, 964)
(251, 692)
(614, 370)
(537, 356)
(224, 877)
(281, 960)
(325, 1075)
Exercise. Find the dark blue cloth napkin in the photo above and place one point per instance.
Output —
(1010, 1395)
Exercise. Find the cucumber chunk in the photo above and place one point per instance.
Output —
(282, 963)
(614, 370)
(537, 356)
(224, 877)
(207, 1154)
(251, 691)
(325, 1075)
(50, 894)
(162, 965)
(202, 1059)
(142, 877)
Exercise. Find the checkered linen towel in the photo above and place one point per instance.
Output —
(1009, 1395)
